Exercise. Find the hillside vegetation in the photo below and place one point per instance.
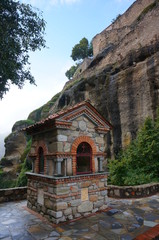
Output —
(8, 181)
(139, 162)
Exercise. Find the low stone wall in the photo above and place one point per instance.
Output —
(144, 190)
(65, 198)
(13, 194)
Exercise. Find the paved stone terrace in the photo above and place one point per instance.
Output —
(125, 220)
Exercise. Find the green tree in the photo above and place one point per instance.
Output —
(21, 30)
(139, 163)
(82, 50)
(69, 74)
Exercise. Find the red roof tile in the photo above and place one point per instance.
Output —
(63, 112)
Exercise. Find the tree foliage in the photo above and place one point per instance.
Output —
(21, 30)
(82, 50)
(139, 163)
(25, 166)
(69, 74)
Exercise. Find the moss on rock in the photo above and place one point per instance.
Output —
(43, 111)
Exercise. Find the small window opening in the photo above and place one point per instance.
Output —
(41, 160)
(84, 158)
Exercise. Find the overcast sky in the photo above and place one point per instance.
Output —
(68, 21)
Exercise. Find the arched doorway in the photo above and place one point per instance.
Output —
(84, 158)
(41, 160)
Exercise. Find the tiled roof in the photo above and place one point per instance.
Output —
(63, 112)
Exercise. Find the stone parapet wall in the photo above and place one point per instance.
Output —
(13, 194)
(144, 190)
(117, 30)
(127, 18)
(144, 35)
(107, 37)
(67, 198)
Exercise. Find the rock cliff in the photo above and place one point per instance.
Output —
(121, 81)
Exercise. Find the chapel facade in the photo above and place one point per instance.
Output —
(67, 153)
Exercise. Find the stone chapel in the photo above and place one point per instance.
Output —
(67, 179)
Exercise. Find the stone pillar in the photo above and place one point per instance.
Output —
(58, 166)
(65, 167)
(47, 167)
(33, 166)
(100, 164)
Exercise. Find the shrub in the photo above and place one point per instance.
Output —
(6, 182)
(139, 163)
(25, 167)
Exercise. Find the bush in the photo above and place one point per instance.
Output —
(139, 163)
(6, 182)
(70, 73)
(26, 151)
(22, 179)
(25, 167)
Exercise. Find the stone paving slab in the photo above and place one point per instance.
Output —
(124, 220)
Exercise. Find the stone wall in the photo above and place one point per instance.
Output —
(61, 141)
(81, 126)
(117, 30)
(143, 33)
(144, 190)
(131, 14)
(107, 37)
(67, 198)
(13, 194)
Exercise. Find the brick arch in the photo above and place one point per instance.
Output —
(42, 145)
(74, 151)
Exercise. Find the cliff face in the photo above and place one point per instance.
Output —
(125, 97)
(15, 145)
(121, 26)
(122, 79)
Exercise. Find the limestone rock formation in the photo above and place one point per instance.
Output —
(121, 81)
(15, 145)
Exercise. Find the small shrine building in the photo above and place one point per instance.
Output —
(68, 149)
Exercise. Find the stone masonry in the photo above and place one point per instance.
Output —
(13, 194)
(68, 153)
(139, 191)
(67, 198)
(60, 142)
